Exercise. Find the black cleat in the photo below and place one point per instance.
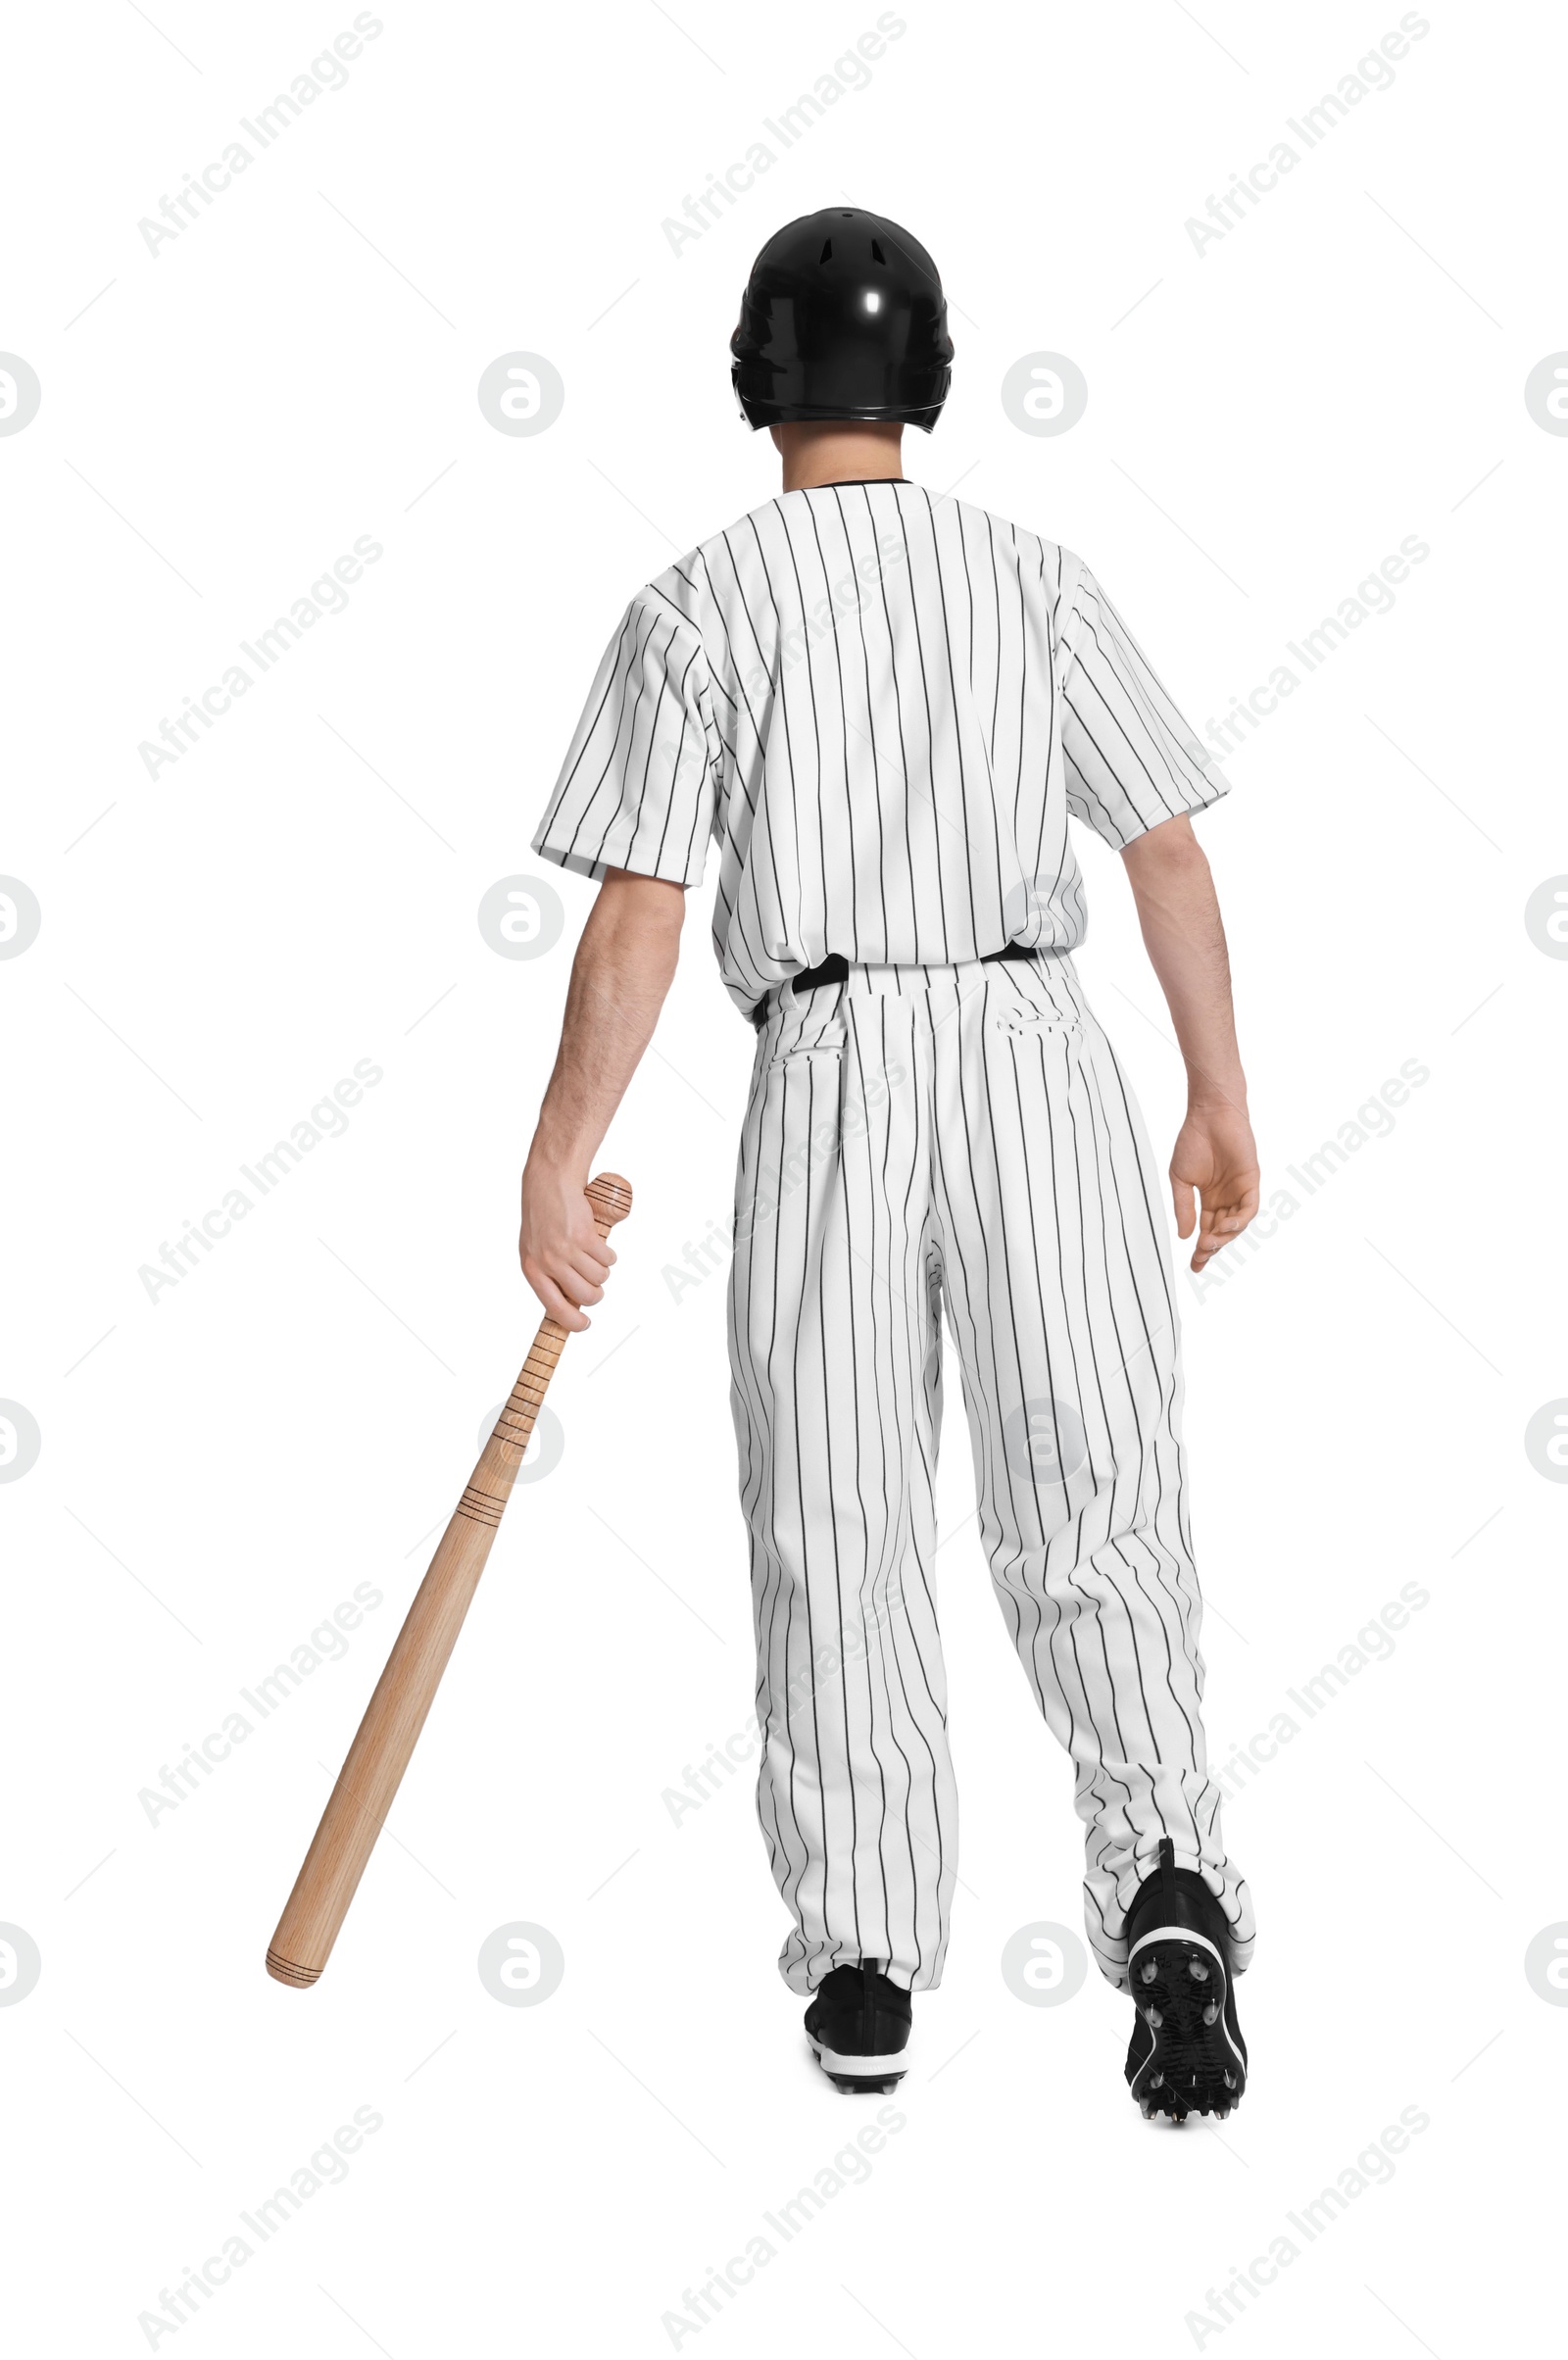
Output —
(858, 2028)
(1187, 2054)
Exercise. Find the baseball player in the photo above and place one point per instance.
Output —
(882, 708)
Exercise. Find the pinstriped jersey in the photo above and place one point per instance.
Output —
(883, 709)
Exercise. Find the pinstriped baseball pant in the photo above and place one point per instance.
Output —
(961, 1132)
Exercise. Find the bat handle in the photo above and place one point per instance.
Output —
(610, 1198)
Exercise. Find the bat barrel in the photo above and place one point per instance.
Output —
(384, 1741)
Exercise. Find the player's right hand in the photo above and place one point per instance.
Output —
(563, 1258)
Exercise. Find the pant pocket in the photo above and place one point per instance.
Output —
(806, 1025)
(1029, 1005)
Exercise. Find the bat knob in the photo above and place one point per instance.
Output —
(610, 1198)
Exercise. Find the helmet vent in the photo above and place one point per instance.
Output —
(877, 255)
(826, 254)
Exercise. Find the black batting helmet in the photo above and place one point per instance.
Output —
(843, 317)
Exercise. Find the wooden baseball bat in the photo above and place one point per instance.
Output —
(386, 1738)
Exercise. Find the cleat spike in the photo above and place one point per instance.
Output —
(1153, 2015)
(1149, 1970)
(1211, 2012)
(1197, 1970)
(1155, 2080)
(1230, 2081)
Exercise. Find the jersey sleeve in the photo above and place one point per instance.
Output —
(636, 789)
(1132, 761)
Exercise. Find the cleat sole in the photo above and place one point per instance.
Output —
(864, 2076)
(1185, 2057)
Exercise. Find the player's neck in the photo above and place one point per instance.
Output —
(839, 451)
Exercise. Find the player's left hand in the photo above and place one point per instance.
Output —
(1213, 1177)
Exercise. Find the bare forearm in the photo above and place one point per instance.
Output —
(624, 965)
(1177, 911)
(1213, 1167)
(622, 970)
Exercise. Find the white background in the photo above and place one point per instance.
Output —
(222, 943)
